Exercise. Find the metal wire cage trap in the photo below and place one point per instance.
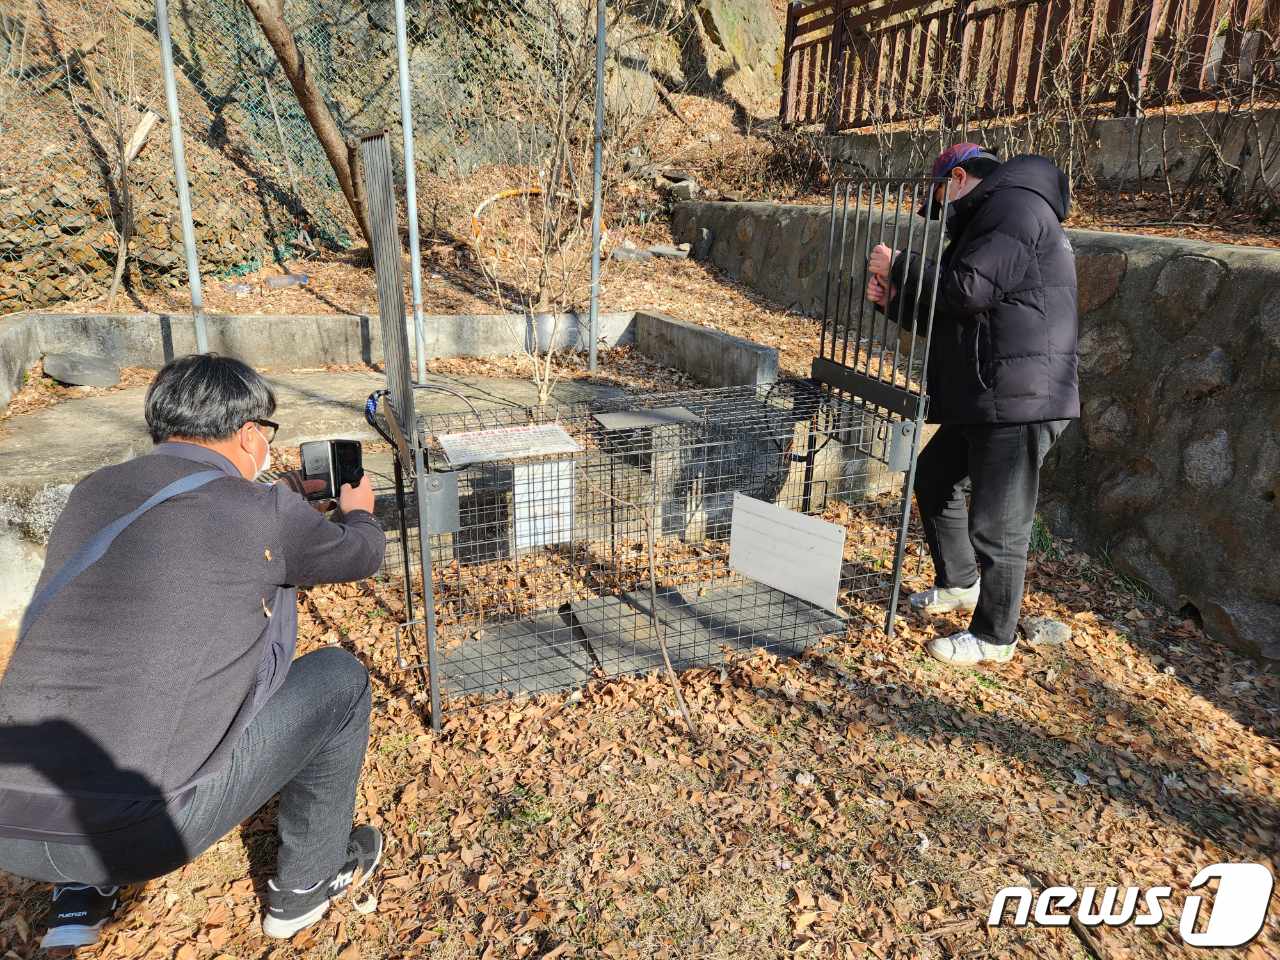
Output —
(543, 547)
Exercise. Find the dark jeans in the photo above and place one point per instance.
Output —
(999, 464)
(307, 743)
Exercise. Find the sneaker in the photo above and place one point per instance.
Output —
(289, 911)
(946, 599)
(964, 649)
(78, 913)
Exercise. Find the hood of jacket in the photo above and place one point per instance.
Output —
(1037, 174)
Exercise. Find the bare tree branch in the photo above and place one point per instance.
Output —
(270, 19)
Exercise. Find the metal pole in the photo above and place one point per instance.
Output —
(411, 194)
(180, 175)
(428, 584)
(596, 164)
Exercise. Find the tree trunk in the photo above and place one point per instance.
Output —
(271, 19)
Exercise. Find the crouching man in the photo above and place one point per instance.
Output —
(153, 703)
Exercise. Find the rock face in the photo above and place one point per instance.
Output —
(1174, 470)
(1099, 270)
(1207, 462)
(742, 43)
(81, 370)
(1185, 288)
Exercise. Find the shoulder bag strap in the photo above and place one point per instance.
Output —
(97, 545)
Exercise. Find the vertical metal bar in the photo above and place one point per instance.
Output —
(915, 304)
(284, 147)
(910, 480)
(810, 448)
(893, 247)
(930, 186)
(866, 254)
(844, 233)
(180, 175)
(596, 164)
(864, 364)
(428, 587)
(826, 293)
(410, 192)
(375, 152)
(404, 540)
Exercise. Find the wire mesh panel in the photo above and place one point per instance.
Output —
(577, 560)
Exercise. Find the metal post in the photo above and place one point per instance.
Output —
(180, 175)
(428, 584)
(411, 194)
(596, 163)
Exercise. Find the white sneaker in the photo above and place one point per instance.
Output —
(946, 599)
(964, 649)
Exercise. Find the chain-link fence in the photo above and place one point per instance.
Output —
(492, 85)
(81, 90)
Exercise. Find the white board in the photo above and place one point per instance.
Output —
(789, 551)
(543, 495)
(506, 443)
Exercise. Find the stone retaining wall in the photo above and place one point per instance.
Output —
(1174, 469)
(1114, 149)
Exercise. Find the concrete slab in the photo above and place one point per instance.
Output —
(614, 635)
(528, 656)
(698, 620)
(57, 446)
(708, 355)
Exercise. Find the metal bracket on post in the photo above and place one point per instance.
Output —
(901, 443)
(441, 492)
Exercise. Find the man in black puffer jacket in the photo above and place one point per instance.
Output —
(1001, 380)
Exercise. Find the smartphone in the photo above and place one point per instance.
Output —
(335, 462)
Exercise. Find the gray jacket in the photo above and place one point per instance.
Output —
(138, 678)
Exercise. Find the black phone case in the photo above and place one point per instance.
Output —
(335, 462)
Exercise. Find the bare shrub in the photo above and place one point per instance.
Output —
(532, 240)
(111, 99)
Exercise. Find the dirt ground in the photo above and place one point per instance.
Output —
(863, 801)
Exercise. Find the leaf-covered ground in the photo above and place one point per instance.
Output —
(861, 802)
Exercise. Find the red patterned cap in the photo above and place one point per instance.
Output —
(959, 153)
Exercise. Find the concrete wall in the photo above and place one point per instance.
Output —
(707, 355)
(280, 341)
(1114, 149)
(1174, 469)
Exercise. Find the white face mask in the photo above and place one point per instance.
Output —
(266, 453)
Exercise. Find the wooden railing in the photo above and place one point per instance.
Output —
(852, 63)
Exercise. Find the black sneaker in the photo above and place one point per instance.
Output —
(77, 915)
(289, 911)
